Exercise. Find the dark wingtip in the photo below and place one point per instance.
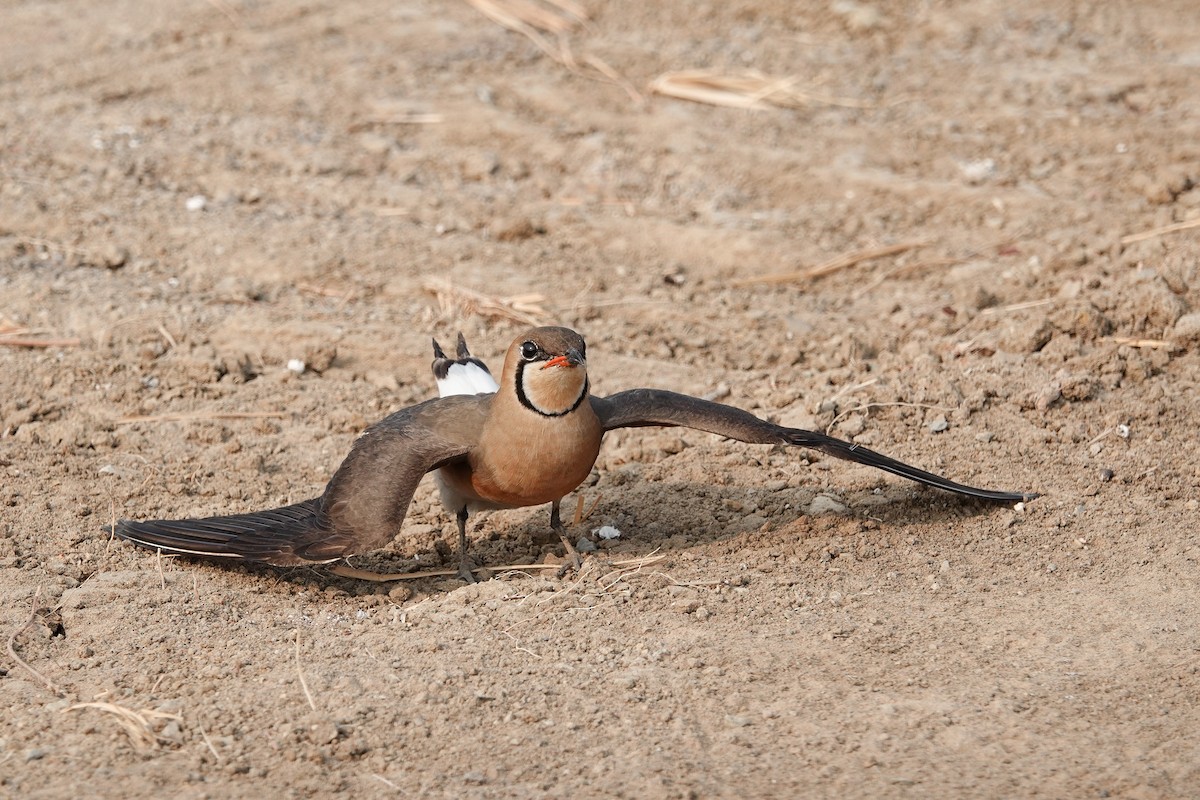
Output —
(463, 352)
(437, 350)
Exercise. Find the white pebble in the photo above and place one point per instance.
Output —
(607, 532)
(196, 202)
(978, 171)
(297, 365)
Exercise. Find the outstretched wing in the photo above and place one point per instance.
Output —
(277, 536)
(643, 407)
(362, 508)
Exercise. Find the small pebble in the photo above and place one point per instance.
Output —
(977, 171)
(114, 256)
(1187, 328)
(1106, 475)
(585, 545)
(824, 504)
(297, 365)
(196, 202)
(939, 424)
(607, 532)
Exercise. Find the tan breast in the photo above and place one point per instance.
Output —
(524, 459)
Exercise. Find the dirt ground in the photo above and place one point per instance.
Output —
(194, 194)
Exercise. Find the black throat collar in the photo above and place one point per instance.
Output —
(525, 401)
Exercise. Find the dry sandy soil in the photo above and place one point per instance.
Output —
(194, 194)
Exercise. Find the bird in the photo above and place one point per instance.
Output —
(527, 439)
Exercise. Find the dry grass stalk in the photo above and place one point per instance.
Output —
(519, 647)
(1163, 231)
(18, 341)
(49, 246)
(201, 415)
(300, 674)
(602, 66)
(229, 11)
(1152, 344)
(346, 571)
(869, 406)
(547, 24)
(580, 514)
(321, 291)
(688, 584)
(17, 336)
(990, 312)
(167, 337)
(12, 647)
(139, 726)
(208, 742)
(833, 265)
(627, 567)
(399, 118)
(748, 90)
(537, 22)
(384, 781)
(524, 308)
(394, 211)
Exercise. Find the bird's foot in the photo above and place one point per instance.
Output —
(573, 560)
(467, 570)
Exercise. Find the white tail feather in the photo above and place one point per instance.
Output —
(466, 379)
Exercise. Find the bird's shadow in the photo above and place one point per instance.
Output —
(654, 518)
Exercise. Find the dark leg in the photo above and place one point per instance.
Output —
(556, 523)
(464, 566)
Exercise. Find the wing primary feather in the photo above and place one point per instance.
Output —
(276, 536)
(848, 451)
(642, 407)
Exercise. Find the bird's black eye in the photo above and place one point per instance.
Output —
(529, 351)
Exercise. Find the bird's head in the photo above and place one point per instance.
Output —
(548, 369)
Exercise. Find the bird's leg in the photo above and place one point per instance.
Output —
(464, 566)
(556, 523)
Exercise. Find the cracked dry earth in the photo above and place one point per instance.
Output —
(194, 194)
